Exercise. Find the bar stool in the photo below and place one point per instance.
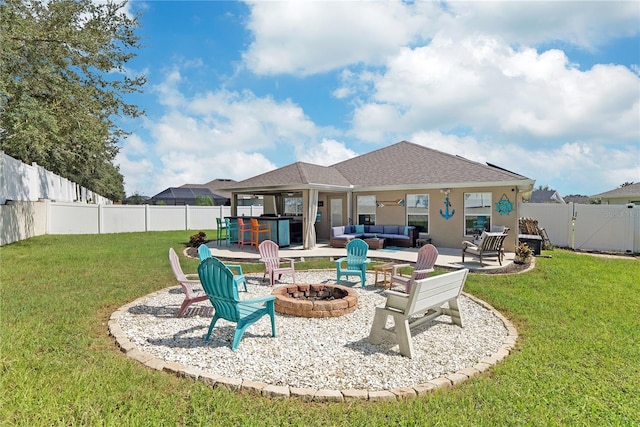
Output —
(256, 231)
(242, 228)
(232, 231)
(221, 227)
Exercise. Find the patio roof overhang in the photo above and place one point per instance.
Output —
(279, 189)
(521, 185)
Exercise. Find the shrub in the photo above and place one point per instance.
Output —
(523, 253)
(197, 239)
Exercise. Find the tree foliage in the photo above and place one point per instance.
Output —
(204, 201)
(62, 85)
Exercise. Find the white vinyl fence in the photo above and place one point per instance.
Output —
(22, 182)
(588, 227)
(21, 220)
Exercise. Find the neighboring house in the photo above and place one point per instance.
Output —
(216, 186)
(186, 196)
(447, 197)
(583, 200)
(546, 196)
(620, 196)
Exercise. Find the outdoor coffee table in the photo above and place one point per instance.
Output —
(384, 269)
(375, 243)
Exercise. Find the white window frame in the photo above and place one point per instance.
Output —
(476, 205)
(417, 204)
(297, 203)
(366, 205)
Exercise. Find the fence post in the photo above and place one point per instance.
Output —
(100, 219)
(186, 217)
(147, 218)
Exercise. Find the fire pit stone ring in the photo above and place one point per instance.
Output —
(315, 300)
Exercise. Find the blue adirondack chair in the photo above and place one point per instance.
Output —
(204, 252)
(222, 290)
(356, 261)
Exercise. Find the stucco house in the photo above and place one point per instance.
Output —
(446, 197)
(620, 196)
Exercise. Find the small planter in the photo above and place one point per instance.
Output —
(523, 254)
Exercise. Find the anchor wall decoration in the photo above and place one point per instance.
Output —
(447, 204)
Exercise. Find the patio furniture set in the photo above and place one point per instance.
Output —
(377, 236)
(421, 295)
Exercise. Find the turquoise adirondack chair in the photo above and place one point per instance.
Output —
(204, 252)
(356, 261)
(222, 290)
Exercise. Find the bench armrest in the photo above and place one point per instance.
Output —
(396, 301)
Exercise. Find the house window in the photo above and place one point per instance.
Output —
(366, 209)
(477, 213)
(418, 211)
(293, 206)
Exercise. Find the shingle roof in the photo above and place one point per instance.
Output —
(215, 186)
(545, 196)
(406, 163)
(632, 190)
(400, 164)
(295, 175)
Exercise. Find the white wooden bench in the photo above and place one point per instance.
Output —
(425, 300)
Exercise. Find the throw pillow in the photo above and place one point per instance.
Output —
(360, 228)
(406, 230)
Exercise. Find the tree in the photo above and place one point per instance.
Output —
(62, 84)
(624, 184)
(204, 201)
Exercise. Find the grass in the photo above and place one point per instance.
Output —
(576, 362)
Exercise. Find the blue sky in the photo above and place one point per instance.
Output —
(549, 90)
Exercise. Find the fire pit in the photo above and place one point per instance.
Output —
(315, 300)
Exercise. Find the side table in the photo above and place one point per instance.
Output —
(384, 269)
(375, 243)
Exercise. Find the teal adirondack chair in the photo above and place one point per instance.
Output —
(222, 290)
(356, 261)
(204, 252)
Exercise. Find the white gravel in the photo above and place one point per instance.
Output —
(328, 353)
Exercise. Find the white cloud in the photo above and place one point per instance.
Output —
(575, 167)
(586, 24)
(307, 37)
(216, 132)
(328, 152)
(486, 86)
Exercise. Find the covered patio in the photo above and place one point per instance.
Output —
(449, 258)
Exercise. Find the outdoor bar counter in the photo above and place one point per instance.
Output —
(282, 228)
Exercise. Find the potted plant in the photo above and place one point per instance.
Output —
(523, 254)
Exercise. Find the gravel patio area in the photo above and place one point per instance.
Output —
(329, 353)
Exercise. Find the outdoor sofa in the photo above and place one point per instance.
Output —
(394, 235)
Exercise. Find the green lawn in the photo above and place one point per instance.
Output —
(577, 361)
